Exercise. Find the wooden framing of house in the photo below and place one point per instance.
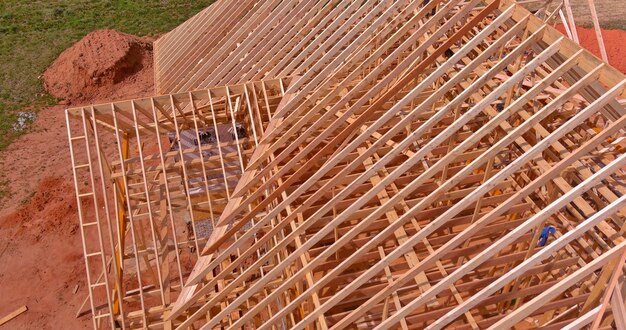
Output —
(395, 164)
(153, 212)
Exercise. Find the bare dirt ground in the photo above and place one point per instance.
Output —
(41, 260)
(614, 42)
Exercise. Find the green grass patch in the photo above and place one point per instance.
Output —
(34, 33)
(621, 25)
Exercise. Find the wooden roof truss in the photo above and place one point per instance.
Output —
(426, 164)
(145, 199)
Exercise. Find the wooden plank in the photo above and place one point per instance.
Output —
(13, 314)
(519, 314)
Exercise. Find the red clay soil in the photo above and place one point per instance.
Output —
(40, 245)
(614, 42)
(41, 259)
(54, 199)
(104, 65)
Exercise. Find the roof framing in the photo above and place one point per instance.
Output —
(401, 176)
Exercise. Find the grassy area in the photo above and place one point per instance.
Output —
(34, 33)
(615, 26)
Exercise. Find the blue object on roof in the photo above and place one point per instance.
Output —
(545, 233)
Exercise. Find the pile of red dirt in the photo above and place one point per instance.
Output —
(103, 66)
(614, 42)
